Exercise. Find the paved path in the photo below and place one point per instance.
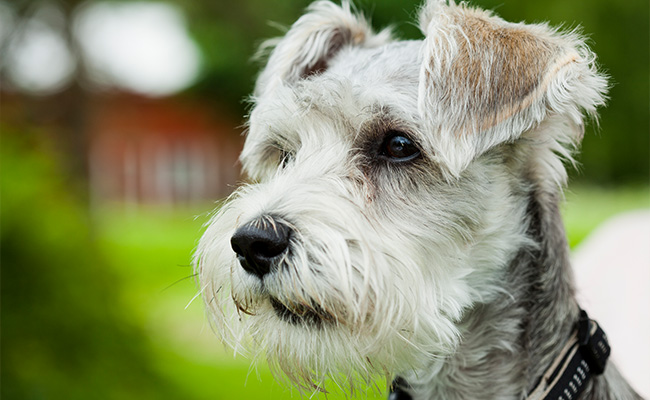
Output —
(612, 268)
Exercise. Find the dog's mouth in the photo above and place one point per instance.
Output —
(301, 314)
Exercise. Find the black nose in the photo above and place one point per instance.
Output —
(259, 243)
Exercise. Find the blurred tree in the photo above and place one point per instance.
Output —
(66, 109)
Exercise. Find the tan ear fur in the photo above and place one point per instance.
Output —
(485, 81)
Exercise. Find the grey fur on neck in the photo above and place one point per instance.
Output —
(508, 344)
(548, 295)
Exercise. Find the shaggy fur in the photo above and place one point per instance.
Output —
(449, 269)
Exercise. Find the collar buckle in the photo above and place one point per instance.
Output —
(593, 344)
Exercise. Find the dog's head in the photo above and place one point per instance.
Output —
(388, 182)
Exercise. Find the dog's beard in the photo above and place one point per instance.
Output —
(342, 303)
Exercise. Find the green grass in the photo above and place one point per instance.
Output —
(151, 250)
(586, 207)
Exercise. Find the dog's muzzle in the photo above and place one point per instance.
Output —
(260, 243)
(260, 246)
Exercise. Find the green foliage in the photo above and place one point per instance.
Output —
(65, 333)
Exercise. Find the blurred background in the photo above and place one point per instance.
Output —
(120, 125)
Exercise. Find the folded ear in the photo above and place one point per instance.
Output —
(313, 41)
(485, 81)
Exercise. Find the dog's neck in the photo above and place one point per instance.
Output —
(508, 344)
(548, 300)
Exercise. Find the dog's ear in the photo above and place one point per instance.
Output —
(485, 81)
(312, 42)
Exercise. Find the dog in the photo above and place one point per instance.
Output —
(401, 218)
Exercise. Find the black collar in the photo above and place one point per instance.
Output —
(584, 356)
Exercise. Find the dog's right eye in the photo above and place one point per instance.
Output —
(399, 147)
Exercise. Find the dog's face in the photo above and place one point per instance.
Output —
(387, 186)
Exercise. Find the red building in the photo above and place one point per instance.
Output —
(160, 151)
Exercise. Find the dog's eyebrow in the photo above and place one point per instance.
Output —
(280, 139)
(382, 119)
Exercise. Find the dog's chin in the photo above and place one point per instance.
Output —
(298, 314)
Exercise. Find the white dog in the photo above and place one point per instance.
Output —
(402, 217)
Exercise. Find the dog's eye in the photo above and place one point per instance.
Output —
(398, 147)
(286, 158)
